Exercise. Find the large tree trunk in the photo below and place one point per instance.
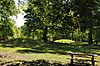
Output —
(90, 41)
(45, 34)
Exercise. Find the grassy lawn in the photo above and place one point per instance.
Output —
(28, 49)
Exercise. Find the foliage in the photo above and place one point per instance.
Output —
(85, 11)
(7, 27)
(58, 19)
(50, 17)
(7, 8)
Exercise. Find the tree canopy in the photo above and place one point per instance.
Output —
(86, 12)
(7, 9)
(48, 16)
(60, 18)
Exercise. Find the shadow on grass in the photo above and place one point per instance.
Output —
(19, 41)
(40, 51)
(49, 47)
(40, 63)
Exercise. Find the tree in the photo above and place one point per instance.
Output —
(7, 9)
(85, 11)
(48, 16)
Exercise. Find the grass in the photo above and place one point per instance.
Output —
(28, 49)
(64, 41)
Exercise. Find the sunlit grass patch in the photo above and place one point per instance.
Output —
(9, 49)
(64, 41)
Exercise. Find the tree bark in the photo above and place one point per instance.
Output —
(45, 34)
(90, 41)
